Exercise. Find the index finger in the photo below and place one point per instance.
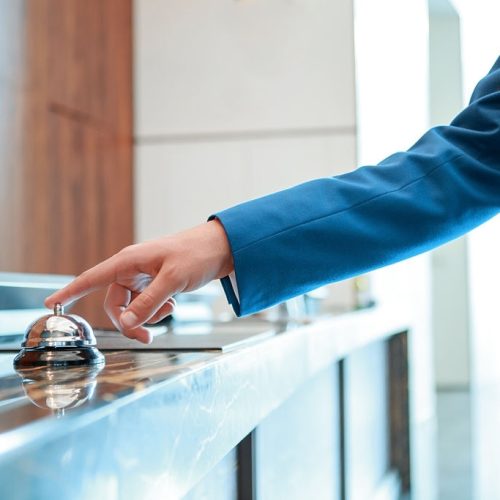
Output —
(97, 277)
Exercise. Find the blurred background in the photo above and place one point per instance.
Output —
(122, 120)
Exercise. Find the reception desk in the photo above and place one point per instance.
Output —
(319, 409)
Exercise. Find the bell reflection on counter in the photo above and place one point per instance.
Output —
(58, 340)
(59, 389)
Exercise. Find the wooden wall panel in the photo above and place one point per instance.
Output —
(12, 78)
(66, 136)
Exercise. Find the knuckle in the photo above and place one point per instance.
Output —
(171, 277)
(128, 250)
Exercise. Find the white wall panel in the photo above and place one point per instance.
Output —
(277, 164)
(179, 185)
(224, 65)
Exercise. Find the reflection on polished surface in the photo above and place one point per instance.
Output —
(60, 389)
(54, 389)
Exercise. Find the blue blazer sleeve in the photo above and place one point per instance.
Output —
(329, 229)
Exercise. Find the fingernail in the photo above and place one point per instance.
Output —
(128, 319)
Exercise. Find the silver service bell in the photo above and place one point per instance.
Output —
(58, 339)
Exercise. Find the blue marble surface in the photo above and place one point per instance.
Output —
(153, 424)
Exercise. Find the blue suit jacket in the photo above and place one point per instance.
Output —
(326, 230)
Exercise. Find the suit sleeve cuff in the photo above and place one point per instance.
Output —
(230, 284)
(230, 287)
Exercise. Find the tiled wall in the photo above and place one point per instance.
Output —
(234, 99)
(179, 185)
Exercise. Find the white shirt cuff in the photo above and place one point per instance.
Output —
(232, 279)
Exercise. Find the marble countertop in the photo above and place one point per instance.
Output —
(167, 417)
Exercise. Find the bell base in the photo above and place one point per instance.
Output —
(58, 357)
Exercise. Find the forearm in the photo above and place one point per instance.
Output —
(330, 229)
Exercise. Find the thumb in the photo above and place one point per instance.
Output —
(146, 304)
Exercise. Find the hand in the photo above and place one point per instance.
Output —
(143, 278)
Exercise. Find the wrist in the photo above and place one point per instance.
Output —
(221, 243)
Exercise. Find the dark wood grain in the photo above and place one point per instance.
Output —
(65, 136)
(399, 408)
